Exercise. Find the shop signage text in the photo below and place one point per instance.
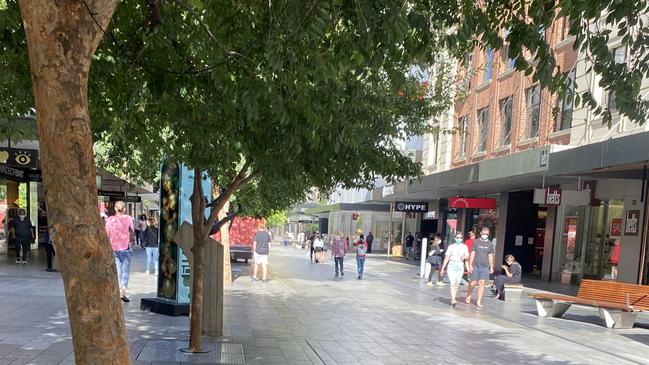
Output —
(418, 207)
(111, 194)
(19, 157)
(127, 199)
(616, 227)
(589, 187)
(552, 196)
(477, 203)
(632, 222)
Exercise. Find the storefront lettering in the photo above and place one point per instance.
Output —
(631, 222)
(421, 207)
(553, 196)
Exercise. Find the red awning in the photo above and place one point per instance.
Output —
(477, 203)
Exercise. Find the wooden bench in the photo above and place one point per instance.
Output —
(618, 303)
(512, 292)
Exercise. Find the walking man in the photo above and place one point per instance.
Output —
(361, 250)
(369, 239)
(120, 234)
(261, 248)
(23, 235)
(338, 250)
(410, 240)
(481, 265)
(150, 243)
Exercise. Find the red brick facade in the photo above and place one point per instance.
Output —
(505, 83)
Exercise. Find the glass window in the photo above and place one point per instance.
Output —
(563, 119)
(483, 123)
(509, 62)
(462, 124)
(619, 55)
(533, 100)
(506, 119)
(489, 58)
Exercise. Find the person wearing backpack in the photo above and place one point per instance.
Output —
(261, 248)
(361, 250)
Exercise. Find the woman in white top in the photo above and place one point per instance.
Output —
(318, 246)
(456, 258)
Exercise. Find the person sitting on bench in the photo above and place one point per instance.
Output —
(513, 272)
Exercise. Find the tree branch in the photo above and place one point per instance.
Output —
(209, 33)
(237, 183)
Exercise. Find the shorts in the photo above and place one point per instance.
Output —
(261, 259)
(318, 249)
(480, 273)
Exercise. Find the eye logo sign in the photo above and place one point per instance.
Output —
(19, 157)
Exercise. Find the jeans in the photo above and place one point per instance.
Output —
(22, 243)
(142, 237)
(339, 263)
(152, 254)
(123, 262)
(360, 265)
(49, 250)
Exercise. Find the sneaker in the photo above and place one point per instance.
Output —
(51, 270)
(125, 298)
(430, 283)
(17, 261)
(359, 277)
(336, 275)
(253, 279)
(264, 280)
(24, 262)
(440, 283)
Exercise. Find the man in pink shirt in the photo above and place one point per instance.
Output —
(338, 250)
(120, 230)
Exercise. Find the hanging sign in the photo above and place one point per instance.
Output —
(409, 207)
(19, 157)
(631, 222)
(476, 203)
(552, 196)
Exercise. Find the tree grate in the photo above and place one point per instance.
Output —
(169, 351)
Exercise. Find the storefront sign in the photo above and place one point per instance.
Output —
(111, 194)
(616, 227)
(552, 196)
(419, 207)
(19, 157)
(589, 187)
(126, 199)
(430, 215)
(20, 175)
(476, 203)
(543, 157)
(632, 222)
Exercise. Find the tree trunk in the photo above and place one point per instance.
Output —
(196, 295)
(62, 36)
(225, 242)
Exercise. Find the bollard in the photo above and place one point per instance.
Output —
(424, 255)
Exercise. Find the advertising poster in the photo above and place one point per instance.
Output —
(632, 223)
(169, 186)
(185, 214)
(570, 240)
(616, 227)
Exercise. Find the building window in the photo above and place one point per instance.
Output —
(461, 147)
(509, 62)
(533, 101)
(563, 119)
(483, 124)
(619, 55)
(433, 149)
(489, 59)
(506, 119)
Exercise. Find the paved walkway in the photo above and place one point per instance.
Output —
(304, 315)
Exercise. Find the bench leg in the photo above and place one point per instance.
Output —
(617, 318)
(512, 295)
(550, 308)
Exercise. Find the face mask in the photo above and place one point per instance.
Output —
(458, 240)
(484, 236)
(22, 216)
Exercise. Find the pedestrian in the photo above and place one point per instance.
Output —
(142, 225)
(435, 259)
(49, 250)
(338, 251)
(410, 240)
(455, 261)
(361, 250)
(513, 275)
(261, 247)
(481, 265)
(469, 242)
(23, 234)
(615, 259)
(369, 239)
(311, 248)
(318, 247)
(120, 234)
(151, 245)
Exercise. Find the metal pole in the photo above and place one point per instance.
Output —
(390, 235)
(403, 233)
(645, 234)
(424, 256)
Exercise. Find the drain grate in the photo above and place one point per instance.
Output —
(220, 353)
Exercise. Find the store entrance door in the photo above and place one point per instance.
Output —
(604, 229)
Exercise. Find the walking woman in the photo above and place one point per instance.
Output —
(456, 261)
(151, 246)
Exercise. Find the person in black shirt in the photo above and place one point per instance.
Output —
(369, 239)
(23, 234)
(513, 273)
(410, 240)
